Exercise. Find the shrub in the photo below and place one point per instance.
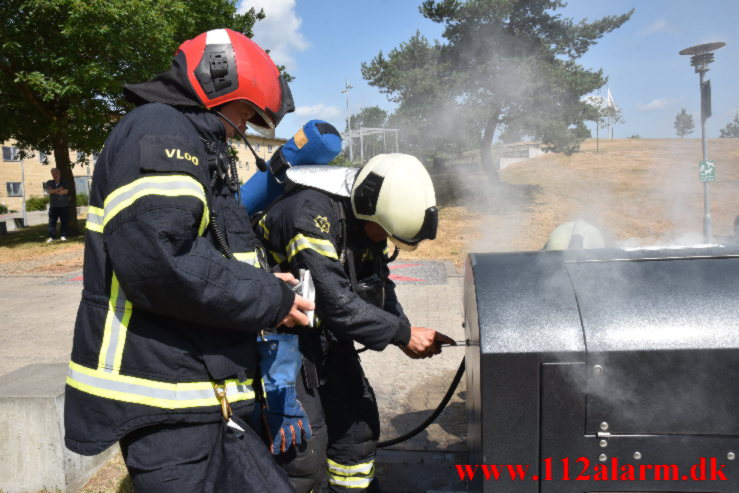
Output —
(82, 199)
(37, 203)
(635, 136)
(3, 209)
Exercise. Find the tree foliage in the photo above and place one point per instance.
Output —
(684, 124)
(63, 63)
(731, 130)
(505, 66)
(370, 117)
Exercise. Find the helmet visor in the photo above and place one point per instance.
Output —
(265, 120)
(427, 231)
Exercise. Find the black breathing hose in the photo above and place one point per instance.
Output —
(220, 239)
(418, 429)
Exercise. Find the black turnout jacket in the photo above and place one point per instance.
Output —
(164, 316)
(303, 231)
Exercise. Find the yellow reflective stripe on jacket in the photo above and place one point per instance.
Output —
(351, 476)
(95, 217)
(300, 242)
(162, 185)
(278, 258)
(154, 393)
(263, 224)
(248, 257)
(116, 329)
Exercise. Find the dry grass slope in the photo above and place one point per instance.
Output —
(638, 191)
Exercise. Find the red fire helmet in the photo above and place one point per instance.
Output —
(224, 66)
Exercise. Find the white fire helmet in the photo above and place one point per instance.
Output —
(575, 235)
(395, 191)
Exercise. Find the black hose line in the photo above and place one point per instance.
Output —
(418, 429)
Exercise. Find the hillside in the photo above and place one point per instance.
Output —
(638, 191)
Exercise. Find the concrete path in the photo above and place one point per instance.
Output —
(37, 318)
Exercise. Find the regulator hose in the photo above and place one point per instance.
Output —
(418, 429)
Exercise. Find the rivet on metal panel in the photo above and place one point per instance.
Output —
(598, 370)
(731, 456)
(637, 455)
(603, 457)
(604, 426)
(603, 443)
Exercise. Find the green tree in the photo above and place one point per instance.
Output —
(684, 124)
(731, 130)
(415, 76)
(505, 64)
(63, 64)
(370, 116)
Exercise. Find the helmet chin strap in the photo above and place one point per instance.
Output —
(261, 164)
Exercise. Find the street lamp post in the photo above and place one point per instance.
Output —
(347, 86)
(700, 56)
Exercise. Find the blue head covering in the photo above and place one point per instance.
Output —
(318, 142)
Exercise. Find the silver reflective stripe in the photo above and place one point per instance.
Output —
(358, 470)
(300, 242)
(351, 476)
(153, 393)
(163, 185)
(119, 313)
(350, 482)
(248, 258)
(95, 218)
(117, 200)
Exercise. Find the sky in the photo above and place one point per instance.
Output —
(324, 42)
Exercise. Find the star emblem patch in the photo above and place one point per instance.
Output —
(322, 224)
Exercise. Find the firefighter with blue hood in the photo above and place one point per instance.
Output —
(164, 353)
(334, 223)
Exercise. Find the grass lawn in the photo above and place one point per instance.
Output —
(22, 250)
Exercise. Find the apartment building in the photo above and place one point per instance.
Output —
(34, 171)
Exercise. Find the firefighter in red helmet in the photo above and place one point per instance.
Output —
(175, 286)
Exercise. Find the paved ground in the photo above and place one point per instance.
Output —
(38, 314)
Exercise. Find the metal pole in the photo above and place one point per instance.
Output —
(361, 145)
(23, 188)
(348, 119)
(396, 141)
(707, 226)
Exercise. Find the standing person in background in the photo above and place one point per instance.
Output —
(58, 205)
(175, 288)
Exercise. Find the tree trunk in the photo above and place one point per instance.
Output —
(61, 157)
(486, 160)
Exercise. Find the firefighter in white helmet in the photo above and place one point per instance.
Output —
(336, 222)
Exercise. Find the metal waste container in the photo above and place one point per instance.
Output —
(604, 370)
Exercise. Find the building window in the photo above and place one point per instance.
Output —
(95, 156)
(257, 147)
(14, 188)
(10, 154)
(43, 157)
(269, 148)
(80, 156)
